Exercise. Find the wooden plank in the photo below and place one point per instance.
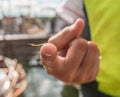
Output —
(18, 47)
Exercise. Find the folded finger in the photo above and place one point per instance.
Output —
(75, 54)
(89, 68)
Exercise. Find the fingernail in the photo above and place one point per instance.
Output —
(48, 55)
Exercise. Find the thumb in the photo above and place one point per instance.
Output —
(48, 54)
(50, 59)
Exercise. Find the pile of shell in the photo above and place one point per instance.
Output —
(12, 78)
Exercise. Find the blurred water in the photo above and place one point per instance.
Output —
(40, 84)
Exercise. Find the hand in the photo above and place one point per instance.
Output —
(70, 58)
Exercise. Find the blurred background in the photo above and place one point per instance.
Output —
(30, 21)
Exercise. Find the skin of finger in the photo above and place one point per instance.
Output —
(94, 69)
(63, 52)
(48, 53)
(49, 70)
(52, 61)
(75, 55)
(67, 34)
(90, 66)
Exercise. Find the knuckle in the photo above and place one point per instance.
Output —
(51, 39)
(93, 46)
(67, 28)
(64, 32)
(82, 43)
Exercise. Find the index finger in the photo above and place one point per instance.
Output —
(61, 39)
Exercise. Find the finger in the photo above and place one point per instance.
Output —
(67, 34)
(75, 54)
(93, 67)
(89, 68)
